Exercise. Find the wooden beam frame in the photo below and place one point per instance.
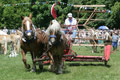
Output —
(84, 11)
(88, 45)
(89, 5)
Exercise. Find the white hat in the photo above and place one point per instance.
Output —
(69, 14)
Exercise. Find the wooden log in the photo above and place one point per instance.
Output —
(88, 45)
(88, 11)
(89, 5)
(93, 19)
(88, 38)
(90, 17)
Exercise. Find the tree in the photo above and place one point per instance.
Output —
(115, 16)
(10, 14)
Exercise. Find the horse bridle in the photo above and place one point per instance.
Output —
(27, 31)
(54, 36)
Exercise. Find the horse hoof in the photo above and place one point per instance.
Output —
(28, 66)
(32, 70)
(59, 72)
(50, 68)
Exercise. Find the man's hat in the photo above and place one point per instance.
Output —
(69, 14)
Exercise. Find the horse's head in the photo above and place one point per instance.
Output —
(54, 32)
(27, 27)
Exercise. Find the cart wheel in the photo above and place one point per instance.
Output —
(105, 63)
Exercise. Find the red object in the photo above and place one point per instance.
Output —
(58, 2)
(53, 13)
(107, 50)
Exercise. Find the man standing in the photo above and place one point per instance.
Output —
(115, 38)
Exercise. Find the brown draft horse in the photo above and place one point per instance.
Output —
(33, 41)
(57, 44)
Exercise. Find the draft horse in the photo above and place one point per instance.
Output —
(34, 41)
(57, 44)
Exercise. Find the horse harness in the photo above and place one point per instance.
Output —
(34, 35)
(57, 43)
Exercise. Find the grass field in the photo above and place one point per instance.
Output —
(13, 68)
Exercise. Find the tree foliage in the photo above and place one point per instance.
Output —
(10, 15)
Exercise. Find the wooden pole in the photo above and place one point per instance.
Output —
(89, 5)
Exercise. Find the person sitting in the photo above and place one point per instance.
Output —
(71, 25)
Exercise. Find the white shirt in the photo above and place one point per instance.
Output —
(2, 33)
(72, 22)
(5, 30)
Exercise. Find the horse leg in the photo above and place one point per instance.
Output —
(18, 45)
(92, 49)
(51, 67)
(95, 49)
(4, 47)
(40, 65)
(24, 60)
(34, 67)
(34, 62)
(14, 49)
(55, 64)
(60, 65)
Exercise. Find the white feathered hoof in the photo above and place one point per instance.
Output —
(51, 68)
(59, 72)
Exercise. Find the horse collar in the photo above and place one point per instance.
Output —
(28, 40)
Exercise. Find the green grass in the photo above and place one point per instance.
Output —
(13, 68)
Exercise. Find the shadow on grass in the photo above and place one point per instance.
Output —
(38, 71)
(88, 64)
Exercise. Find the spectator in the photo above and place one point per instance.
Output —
(13, 31)
(115, 38)
(71, 25)
(5, 30)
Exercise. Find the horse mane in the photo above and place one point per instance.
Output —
(54, 26)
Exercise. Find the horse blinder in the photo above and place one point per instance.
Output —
(52, 39)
